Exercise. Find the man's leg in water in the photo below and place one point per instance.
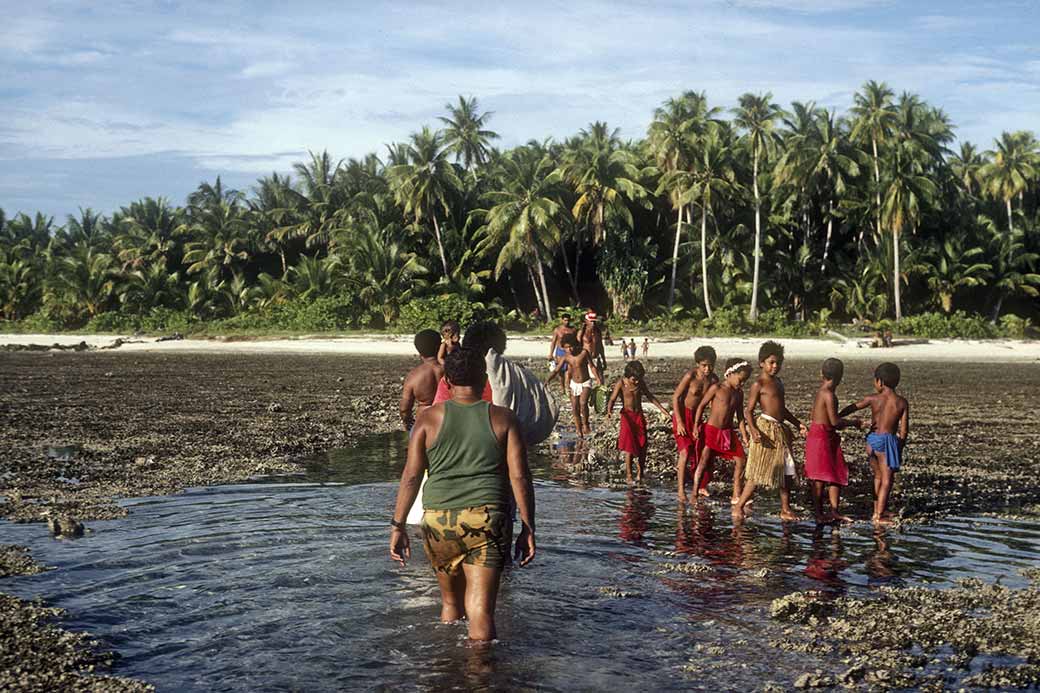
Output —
(680, 471)
(834, 494)
(702, 465)
(453, 596)
(584, 408)
(481, 595)
(738, 477)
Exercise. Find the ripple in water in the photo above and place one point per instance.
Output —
(288, 586)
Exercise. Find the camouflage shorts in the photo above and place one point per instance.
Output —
(476, 536)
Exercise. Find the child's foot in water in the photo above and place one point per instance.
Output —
(844, 519)
(883, 520)
(788, 516)
(703, 493)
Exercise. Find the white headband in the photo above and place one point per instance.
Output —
(734, 368)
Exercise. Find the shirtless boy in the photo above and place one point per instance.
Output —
(420, 385)
(579, 363)
(591, 338)
(450, 337)
(824, 461)
(632, 434)
(687, 396)
(726, 399)
(770, 462)
(890, 426)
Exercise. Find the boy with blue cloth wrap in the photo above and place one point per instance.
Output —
(890, 414)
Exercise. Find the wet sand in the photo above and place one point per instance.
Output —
(80, 430)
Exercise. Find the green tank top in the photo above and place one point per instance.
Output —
(467, 466)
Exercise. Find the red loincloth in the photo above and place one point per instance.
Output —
(684, 442)
(632, 436)
(824, 460)
(723, 441)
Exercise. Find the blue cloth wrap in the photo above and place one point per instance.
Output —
(889, 445)
(560, 351)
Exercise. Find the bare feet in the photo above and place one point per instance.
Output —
(838, 517)
(883, 520)
(734, 501)
(788, 516)
(703, 492)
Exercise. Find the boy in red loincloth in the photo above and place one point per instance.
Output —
(632, 435)
(824, 461)
(687, 396)
(720, 437)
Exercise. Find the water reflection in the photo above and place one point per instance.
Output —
(827, 558)
(636, 515)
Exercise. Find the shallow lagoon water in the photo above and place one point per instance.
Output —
(286, 585)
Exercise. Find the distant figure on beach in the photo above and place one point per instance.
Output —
(687, 395)
(770, 461)
(632, 434)
(556, 349)
(581, 368)
(420, 385)
(450, 336)
(476, 457)
(624, 350)
(721, 439)
(632, 350)
(646, 347)
(824, 462)
(890, 426)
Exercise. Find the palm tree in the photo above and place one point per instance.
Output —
(147, 233)
(426, 182)
(1012, 267)
(967, 165)
(756, 116)
(835, 165)
(671, 139)
(89, 227)
(465, 133)
(83, 281)
(523, 218)
(218, 229)
(875, 120)
(313, 277)
(387, 274)
(151, 287)
(951, 267)
(1009, 171)
(908, 189)
(714, 177)
(19, 285)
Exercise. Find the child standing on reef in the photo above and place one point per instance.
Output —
(720, 437)
(687, 396)
(770, 462)
(579, 362)
(449, 340)
(890, 426)
(632, 435)
(646, 346)
(824, 461)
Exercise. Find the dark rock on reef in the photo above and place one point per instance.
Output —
(15, 560)
(65, 527)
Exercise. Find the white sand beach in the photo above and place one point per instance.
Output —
(1010, 351)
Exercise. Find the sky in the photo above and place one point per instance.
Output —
(102, 103)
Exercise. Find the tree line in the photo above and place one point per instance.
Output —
(800, 211)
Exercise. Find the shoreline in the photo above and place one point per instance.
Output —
(995, 350)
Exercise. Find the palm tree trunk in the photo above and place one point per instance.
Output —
(704, 256)
(440, 246)
(570, 275)
(753, 313)
(675, 257)
(281, 254)
(996, 308)
(577, 261)
(877, 185)
(895, 273)
(545, 292)
(534, 285)
(830, 226)
(1011, 227)
(512, 290)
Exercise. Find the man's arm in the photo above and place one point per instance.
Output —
(407, 403)
(552, 344)
(595, 369)
(747, 413)
(650, 396)
(523, 491)
(613, 398)
(680, 392)
(708, 396)
(856, 406)
(411, 478)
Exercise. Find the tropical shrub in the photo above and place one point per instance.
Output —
(432, 311)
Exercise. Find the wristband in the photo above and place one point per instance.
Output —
(398, 525)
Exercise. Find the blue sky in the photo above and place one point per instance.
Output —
(102, 103)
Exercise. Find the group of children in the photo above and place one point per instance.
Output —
(628, 349)
(769, 460)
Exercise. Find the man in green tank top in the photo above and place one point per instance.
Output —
(475, 455)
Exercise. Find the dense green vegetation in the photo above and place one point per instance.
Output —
(770, 220)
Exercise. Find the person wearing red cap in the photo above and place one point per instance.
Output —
(591, 338)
